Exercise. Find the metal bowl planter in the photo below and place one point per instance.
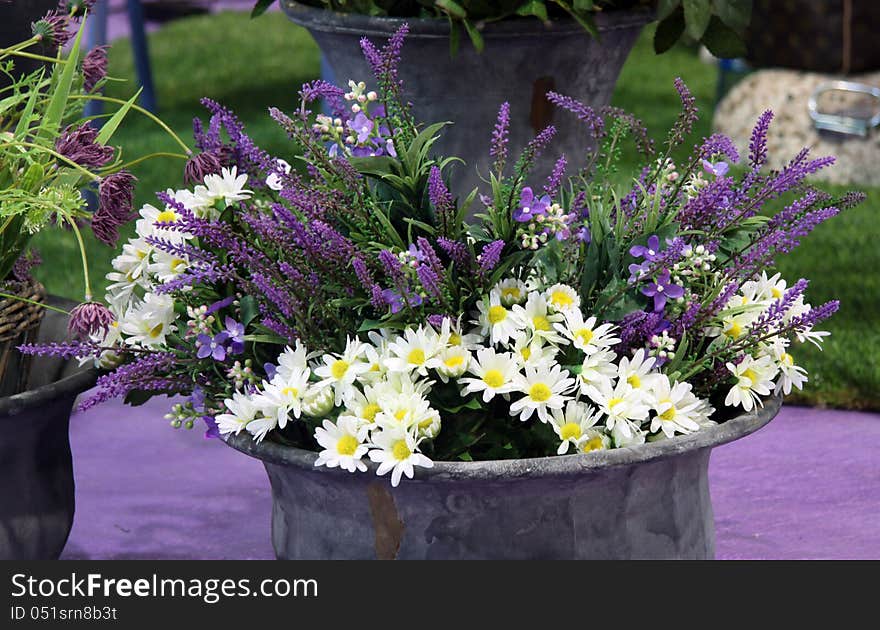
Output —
(522, 60)
(645, 502)
(36, 469)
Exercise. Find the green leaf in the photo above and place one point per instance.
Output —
(665, 8)
(696, 17)
(466, 457)
(584, 5)
(138, 397)
(273, 339)
(535, 8)
(454, 37)
(21, 130)
(669, 31)
(585, 20)
(55, 110)
(474, 34)
(260, 7)
(452, 8)
(376, 324)
(722, 41)
(110, 127)
(377, 165)
(249, 309)
(735, 13)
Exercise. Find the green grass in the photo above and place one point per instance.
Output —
(251, 65)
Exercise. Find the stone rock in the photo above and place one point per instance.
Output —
(787, 93)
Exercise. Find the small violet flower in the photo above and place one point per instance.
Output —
(214, 347)
(362, 126)
(530, 207)
(396, 301)
(661, 289)
(648, 252)
(235, 331)
(637, 272)
(718, 169)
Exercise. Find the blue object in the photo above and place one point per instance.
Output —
(97, 36)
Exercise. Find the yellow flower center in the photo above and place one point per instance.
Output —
(735, 331)
(526, 353)
(775, 292)
(750, 374)
(375, 367)
(669, 414)
(493, 378)
(541, 323)
(400, 450)
(454, 361)
(400, 415)
(539, 392)
(497, 314)
(584, 335)
(786, 359)
(156, 330)
(561, 299)
(614, 402)
(339, 369)
(511, 293)
(370, 411)
(290, 391)
(635, 381)
(416, 356)
(570, 431)
(166, 216)
(454, 339)
(346, 445)
(593, 444)
(176, 264)
(424, 424)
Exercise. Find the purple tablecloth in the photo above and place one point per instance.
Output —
(806, 486)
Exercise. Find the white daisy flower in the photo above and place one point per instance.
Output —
(167, 266)
(790, 375)
(495, 373)
(562, 298)
(624, 407)
(637, 371)
(451, 330)
(242, 411)
(452, 363)
(259, 427)
(414, 351)
(535, 317)
(342, 371)
(764, 289)
(228, 186)
(294, 359)
(283, 396)
(511, 291)
(318, 401)
(148, 322)
(593, 440)
(530, 350)
(754, 378)
(343, 444)
(545, 388)
(396, 452)
(572, 425)
(495, 321)
(597, 370)
(363, 405)
(403, 410)
(674, 406)
(585, 335)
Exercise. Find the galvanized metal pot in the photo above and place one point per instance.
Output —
(522, 60)
(36, 469)
(646, 502)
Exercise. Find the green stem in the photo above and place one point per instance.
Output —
(21, 53)
(22, 299)
(140, 110)
(128, 165)
(6, 223)
(85, 262)
(54, 154)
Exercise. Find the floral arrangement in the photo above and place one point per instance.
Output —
(718, 24)
(355, 307)
(49, 155)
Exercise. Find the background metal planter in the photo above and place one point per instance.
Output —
(650, 501)
(522, 60)
(36, 470)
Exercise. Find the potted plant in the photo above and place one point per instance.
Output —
(48, 157)
(521, 49)
(546, 380)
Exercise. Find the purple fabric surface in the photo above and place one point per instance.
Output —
(805, 486)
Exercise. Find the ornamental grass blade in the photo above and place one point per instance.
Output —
(113, 123)
(55, 111)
